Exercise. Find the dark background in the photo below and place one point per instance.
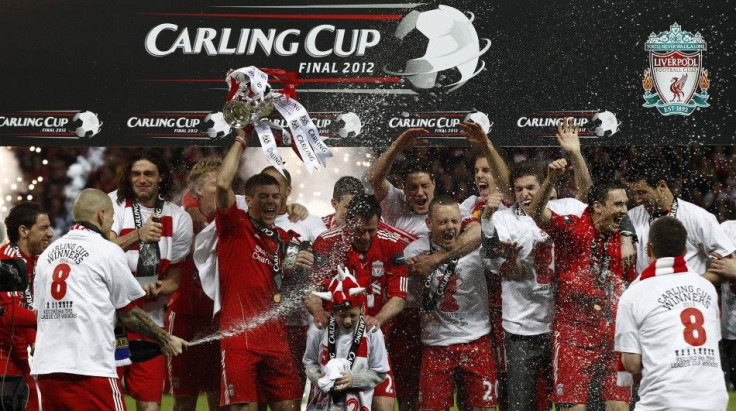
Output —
(545, 55)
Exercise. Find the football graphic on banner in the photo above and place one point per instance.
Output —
(215, 125)
(481, 119)
(604, 124)
(85, 124)
(349, 125)
(442, 49)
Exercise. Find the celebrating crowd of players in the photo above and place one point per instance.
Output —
(509, 299)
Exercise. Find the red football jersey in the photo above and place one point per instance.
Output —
(375, 269)
(585, 297)
(16, 312)
(247, 285)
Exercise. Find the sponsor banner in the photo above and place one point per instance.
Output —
(153, 71)
(50, 124)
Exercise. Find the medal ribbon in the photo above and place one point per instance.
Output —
(273, 235)
(27, 296)
(149, 254)
(429, 298)
(672, 212)
(357, 338)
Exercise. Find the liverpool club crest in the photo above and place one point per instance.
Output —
(675, 72)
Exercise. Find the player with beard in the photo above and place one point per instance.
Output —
(250, 252)
(406, 211)
(371, 254)
(156, 236)
(455, 323)
(590, 279)
(650, 182)
(29, 232)
(189, 312)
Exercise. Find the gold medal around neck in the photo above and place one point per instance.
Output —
(277, 298)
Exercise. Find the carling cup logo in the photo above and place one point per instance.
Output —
(675, 72)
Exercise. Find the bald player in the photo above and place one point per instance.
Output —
(82, 282)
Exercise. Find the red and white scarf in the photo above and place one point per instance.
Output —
(662, 266)
(666, 265)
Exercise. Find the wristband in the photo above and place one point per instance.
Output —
(241, 140)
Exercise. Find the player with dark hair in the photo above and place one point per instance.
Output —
(650, 180)
(346, 187)
(668, 328)
(29, 232)
(156, 236)
(370, 253)
(590, 277)
(250, 254)
(406, 211)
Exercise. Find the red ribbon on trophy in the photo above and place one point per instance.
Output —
(251, 98)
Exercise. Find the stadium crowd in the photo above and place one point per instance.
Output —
(485, 277)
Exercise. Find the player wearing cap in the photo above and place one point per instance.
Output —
(345, 360)
(82, 281)
(667, 328)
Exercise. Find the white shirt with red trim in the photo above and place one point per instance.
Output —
(528, 303)
(371, 355)
(728, 292)
(671, 320)
(396, 212)
(461, 315)
(81, 280)
(176, 238)
(704, 235)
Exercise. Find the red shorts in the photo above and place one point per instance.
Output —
(472, 365)
(387, 388)
(577, 364)
(61, 392)
(404, 348)
(297, 336)
(245, 372)
(144, 381)
(198, 368)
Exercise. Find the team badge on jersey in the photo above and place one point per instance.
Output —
(377, 269)
(675, 72)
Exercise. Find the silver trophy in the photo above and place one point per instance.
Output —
(246, 107)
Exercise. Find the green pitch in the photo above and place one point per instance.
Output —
(168, 403)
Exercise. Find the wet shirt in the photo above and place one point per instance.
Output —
(375, 269)
(247, 286)
(461, 314)
(589, 271)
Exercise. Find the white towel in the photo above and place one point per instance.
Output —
(333, 371)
